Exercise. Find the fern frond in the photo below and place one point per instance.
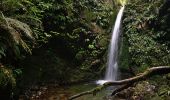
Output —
(23, 28)
(16, 32)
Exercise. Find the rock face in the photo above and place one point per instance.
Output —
(141, 91)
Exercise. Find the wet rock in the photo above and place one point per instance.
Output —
(144, 90)
(141, 91)
(127, 93)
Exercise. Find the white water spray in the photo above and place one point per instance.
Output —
(112, 64)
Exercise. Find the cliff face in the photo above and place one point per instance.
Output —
(146, 29)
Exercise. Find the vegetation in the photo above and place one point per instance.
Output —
(66, 41)
(145, 32)
(53, 41)
(146, 47)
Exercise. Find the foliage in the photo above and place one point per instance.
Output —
(146, 31)
(13, 33)
(68, 37)
(145, 46)
(80, 26)
(7, 78)
(58, 36)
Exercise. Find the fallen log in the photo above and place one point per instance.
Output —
(142, 76)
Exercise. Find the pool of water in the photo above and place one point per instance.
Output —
(102, 95)
(64, 92)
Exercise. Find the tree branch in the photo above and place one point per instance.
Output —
(142, 76)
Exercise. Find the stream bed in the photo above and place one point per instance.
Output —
(63, 92)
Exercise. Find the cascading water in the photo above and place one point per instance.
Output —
(112, 66)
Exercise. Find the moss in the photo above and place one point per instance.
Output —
(103, 42)
(80, 55)
(124, 54)
(6, 78)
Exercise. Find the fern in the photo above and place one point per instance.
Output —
(6, 77)
(16, 33)
(21, 27)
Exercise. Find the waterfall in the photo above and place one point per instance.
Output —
(112, 62)
(112, 67)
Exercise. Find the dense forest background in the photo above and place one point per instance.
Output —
(66, 41)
